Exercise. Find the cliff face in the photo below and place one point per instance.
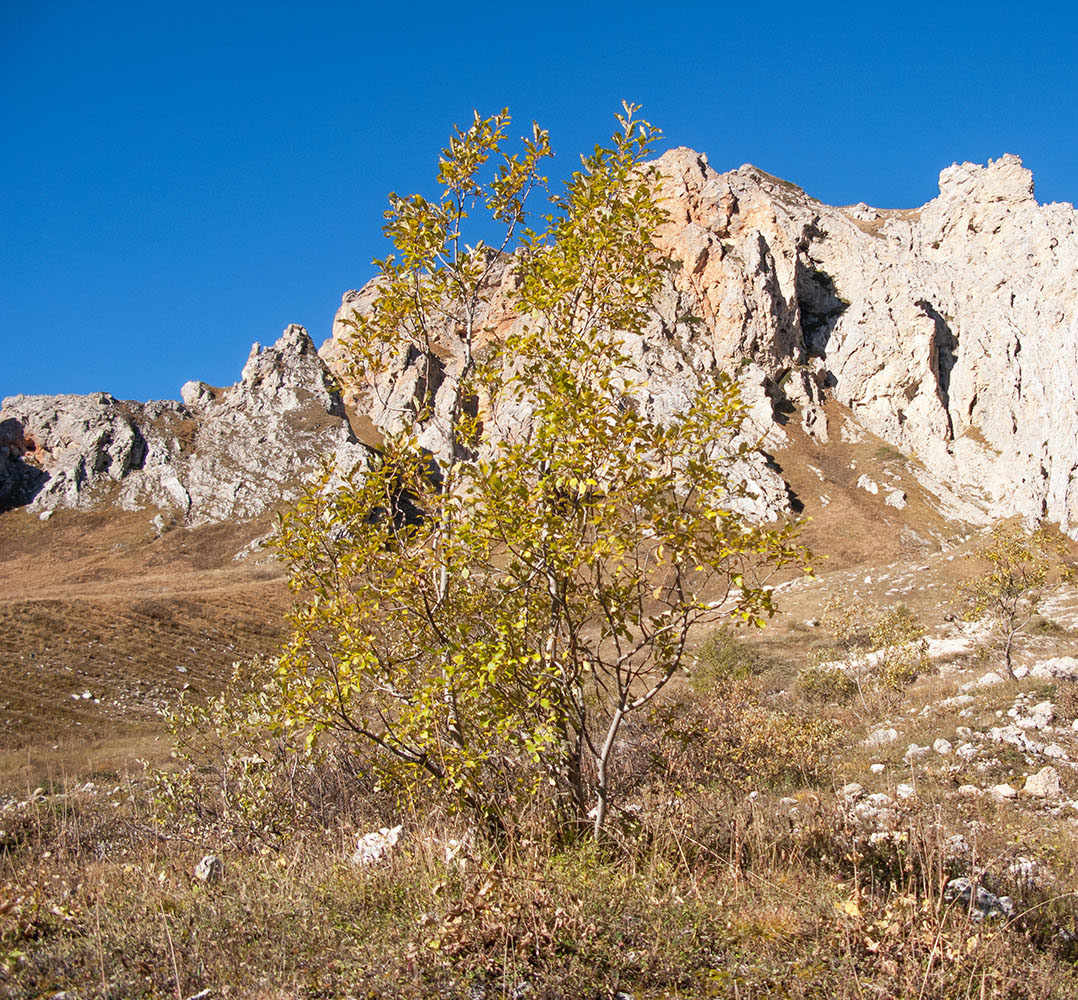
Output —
(221, 453)
(950, 331)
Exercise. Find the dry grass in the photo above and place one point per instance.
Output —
(100, 603)
(730, 881)
(743, 873)
(731, 900)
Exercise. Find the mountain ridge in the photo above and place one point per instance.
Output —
(949, 331)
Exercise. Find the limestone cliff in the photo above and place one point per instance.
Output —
(221, 453)
(950, 331)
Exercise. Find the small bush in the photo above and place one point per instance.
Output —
(1066, 700)
(880, 650)
(734, 739)
(1047, 626)
(250, 782)
(723, 658)
(825, 683)
(887, 453)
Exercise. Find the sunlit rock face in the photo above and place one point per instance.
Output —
(221, 453)
(950, 331)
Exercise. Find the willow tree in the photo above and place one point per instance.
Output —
(486, 621)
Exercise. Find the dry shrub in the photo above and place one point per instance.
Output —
(825, 683)
(241, 779)
(733, 737)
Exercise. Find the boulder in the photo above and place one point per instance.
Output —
(980, 902)
(1044, 784)
(1058, 667)
(210, 869)
(376, 847)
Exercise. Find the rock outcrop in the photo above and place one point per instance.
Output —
(950, 331)
(221, 453)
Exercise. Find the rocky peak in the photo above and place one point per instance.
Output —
(1002, 180)
(950, 331)
(222, 453)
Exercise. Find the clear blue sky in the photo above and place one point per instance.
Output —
(181, 179)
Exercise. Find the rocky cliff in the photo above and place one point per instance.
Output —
(221, 453)
(949, 331)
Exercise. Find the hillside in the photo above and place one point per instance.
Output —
(909, 380)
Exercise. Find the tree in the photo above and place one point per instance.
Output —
(486, 622)
(880, 651)
(1010, 591)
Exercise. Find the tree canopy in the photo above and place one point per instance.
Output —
(486, 619)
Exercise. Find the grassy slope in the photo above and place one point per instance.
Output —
(791, 891)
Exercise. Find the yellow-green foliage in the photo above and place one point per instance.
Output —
(880, 651)
(236, 772)
(823, 682)
(1009, 591)
(723, 657)
(898, 640)
(732, 736)
(488, 629)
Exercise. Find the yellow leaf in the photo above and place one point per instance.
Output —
(850, 907)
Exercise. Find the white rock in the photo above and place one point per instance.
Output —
(969, 791)
(1024, 872)
(1044, 784)
(1055, 750)
(966, 751)
(956, 845)
(905, 791)
(1062, 667)
(1004, 791)
(880, 737)
(914, 752)
(375, 847)
(867, 484)
(958, 701)
(878, 768)
(896, 499)
(977, 899)
(1044, 710)
(990, 679)
(850, 791)
(942, 747)
(879, 800)
(210, 869)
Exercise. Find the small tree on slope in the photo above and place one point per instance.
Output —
(488, 627)
(1009, 592)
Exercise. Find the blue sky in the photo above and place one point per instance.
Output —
(181, 179)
